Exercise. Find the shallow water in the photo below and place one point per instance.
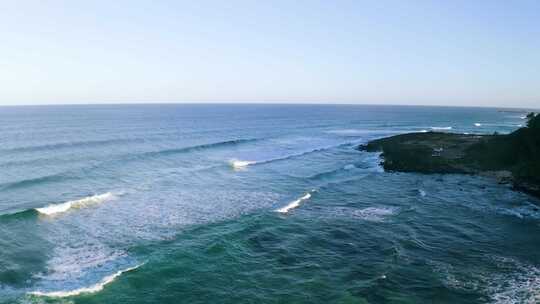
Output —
(252, 203)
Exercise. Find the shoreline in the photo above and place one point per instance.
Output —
(510, 159)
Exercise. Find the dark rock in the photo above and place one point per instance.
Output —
(509, 159)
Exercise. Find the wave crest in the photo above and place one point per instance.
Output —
(80, 203)
(91, 289)
(295, 204)
(241, 164)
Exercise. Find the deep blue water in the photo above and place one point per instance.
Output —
(178, 204)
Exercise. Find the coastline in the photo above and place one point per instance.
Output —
(510, 159)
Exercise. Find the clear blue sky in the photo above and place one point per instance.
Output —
(483, 53)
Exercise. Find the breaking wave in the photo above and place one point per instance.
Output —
(240, 164)
(90, 289)
(441, 128)
(235, 163)
(295, 204)
(80, 203)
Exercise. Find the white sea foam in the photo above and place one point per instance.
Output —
(441, 128)
(349, 167)
(80, 203)
(240, 164)
(375, 214)
(477, 124)
(422, 192)
(521, 286)
(294, 204)
(91, 289)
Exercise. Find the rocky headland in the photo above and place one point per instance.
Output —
(511, 158)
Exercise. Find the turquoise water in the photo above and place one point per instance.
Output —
(252, 204)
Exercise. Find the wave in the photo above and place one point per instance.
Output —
(441, 128)
(421, 192)
(32, 181)
(201, 147)
(295, 204)
(80, 203)
(62, 145)
(235, 163)
(91, 289)
(75, 173)
(477, 124)
(241, 164)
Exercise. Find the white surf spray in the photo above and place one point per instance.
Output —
(240, 164)
(91, 289)
(295, 204)
(80, 203)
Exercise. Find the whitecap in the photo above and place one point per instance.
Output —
(90, 289)
(294, 204)
(441, 128)
(422, 192)
(240, 164)
(80, 203)
(349, 167)
(476, 124)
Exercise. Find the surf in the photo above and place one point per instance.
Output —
(80, 203)
(91, 289)
(240, 164)
(295, 204)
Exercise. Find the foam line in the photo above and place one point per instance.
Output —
(91, 289)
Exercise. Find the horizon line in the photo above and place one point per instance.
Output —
(263, 103)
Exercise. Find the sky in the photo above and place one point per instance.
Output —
(461, 53)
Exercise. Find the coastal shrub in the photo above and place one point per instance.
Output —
(533, 121)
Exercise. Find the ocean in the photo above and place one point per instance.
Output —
(252, 204)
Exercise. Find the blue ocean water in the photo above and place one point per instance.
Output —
(252, 203)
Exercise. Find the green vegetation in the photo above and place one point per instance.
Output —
(511, 158)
